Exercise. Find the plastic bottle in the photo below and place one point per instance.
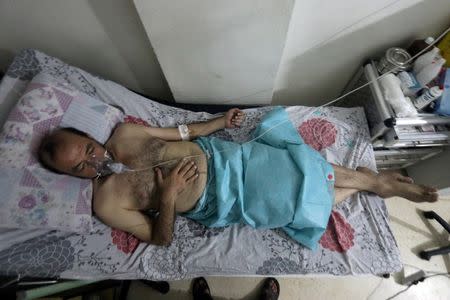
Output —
(419, 45)
(409, 84)
(443, 105)
(427, 97)
(429, 72)
(425, 59)
(394, 96)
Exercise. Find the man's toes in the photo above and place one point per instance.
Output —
(404, 179)
(429, 189)
(432, 197)
(408, 179)
(430, 194)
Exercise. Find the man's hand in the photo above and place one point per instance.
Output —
(178, 179)
(234, 118)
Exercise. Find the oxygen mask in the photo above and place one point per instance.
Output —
(105, 165)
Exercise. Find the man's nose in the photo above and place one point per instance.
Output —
(93, 162)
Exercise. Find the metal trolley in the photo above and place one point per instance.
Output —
(397, 142)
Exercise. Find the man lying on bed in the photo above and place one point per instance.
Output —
(276, 181)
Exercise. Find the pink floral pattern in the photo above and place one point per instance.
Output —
(135, 120)
(318, 133)
(27, 202)
(339, 235)
(125, 242)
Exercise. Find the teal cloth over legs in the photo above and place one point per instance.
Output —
(277, 181)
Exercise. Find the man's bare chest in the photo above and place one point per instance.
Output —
(137, 189)
(137, 185)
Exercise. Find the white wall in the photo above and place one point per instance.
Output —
(240, 47)
(104, 37)
(215, 51)
(313, 71)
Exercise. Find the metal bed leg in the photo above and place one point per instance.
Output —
(428, 254)
(124, 288)
(440, 251)
(161, 286)
(432, 215)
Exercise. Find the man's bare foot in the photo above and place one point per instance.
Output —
(394, 184)
(395, 175)
(417, 192)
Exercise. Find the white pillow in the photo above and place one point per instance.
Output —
(32, 196)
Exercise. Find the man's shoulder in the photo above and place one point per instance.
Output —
(122, 129)
(126, 130)
(106, 193)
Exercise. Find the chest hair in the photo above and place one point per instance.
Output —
(140, 184)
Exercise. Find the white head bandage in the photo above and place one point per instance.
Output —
(184, 132)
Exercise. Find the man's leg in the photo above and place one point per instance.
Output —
(383, 184)
(340, 194)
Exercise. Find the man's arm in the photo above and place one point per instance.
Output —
(233, 118)
(158, 231)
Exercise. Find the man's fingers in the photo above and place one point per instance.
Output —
(237, 121)
(238, 118)
(180, 164)
(192, 178)
(192, 171)
(189, 172)
(189, 165)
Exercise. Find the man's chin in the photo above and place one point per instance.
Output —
(84, 176)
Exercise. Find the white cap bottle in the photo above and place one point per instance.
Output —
(427, 97)
(430, 72)
(429, 40)
(394, 96)
(425, 59)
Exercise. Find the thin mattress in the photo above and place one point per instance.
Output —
(358, 239)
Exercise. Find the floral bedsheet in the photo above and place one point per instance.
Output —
(358, 239)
